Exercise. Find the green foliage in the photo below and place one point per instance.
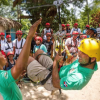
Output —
(4, 2)
(25, 25)
(7, 10)
(91, 9)
(49, 14)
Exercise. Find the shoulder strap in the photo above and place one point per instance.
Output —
(76, 44)
(77, 29)
(16, 44)
(34, 48)
(8, 46)
(21, 44)
(14, 62)
(12, 44)
(74, 29)
(4, 40)
(9, 61)
(50, 30)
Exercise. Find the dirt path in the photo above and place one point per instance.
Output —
(89, 92)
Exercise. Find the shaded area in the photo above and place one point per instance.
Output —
(90, 92)
(31, 92)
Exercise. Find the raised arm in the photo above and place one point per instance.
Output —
(22, 60)
(55, 74)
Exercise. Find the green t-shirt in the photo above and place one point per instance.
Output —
(74, 76)
(8, 87)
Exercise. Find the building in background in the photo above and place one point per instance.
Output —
(9, 26)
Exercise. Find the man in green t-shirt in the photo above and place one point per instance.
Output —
(8, 87)
(70, 77)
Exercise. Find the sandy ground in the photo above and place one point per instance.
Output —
(90, 92)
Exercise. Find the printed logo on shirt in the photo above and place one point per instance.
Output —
(6, 75)
(71, 70)
(65, 84)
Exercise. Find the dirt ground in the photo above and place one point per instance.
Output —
(90, 92)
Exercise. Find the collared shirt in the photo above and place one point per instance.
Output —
(74, 76)
(8, 87)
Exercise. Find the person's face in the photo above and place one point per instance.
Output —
(89, 32)
(67, 26)
(75, 26)
(2, 60)
(83, 58)
(63, 28)
(74, 36)
(9, 39)
(19, 36)
(38, 42)
(47, 26)
(2, 36)
(48, 37)
(10, 57)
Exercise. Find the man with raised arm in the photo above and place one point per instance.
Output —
(70, 77)
(8, 87)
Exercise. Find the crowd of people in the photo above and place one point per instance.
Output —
(81, 49)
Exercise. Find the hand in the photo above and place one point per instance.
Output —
(58, 58)
(33, 28)
(89, 32)
(69, 58)
(23, 74)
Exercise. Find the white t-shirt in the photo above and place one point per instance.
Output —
(75, 29)
(98, 31)
(18, 49)
(72, 49)
(8, 47)
(3, 45)
(46, 31)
